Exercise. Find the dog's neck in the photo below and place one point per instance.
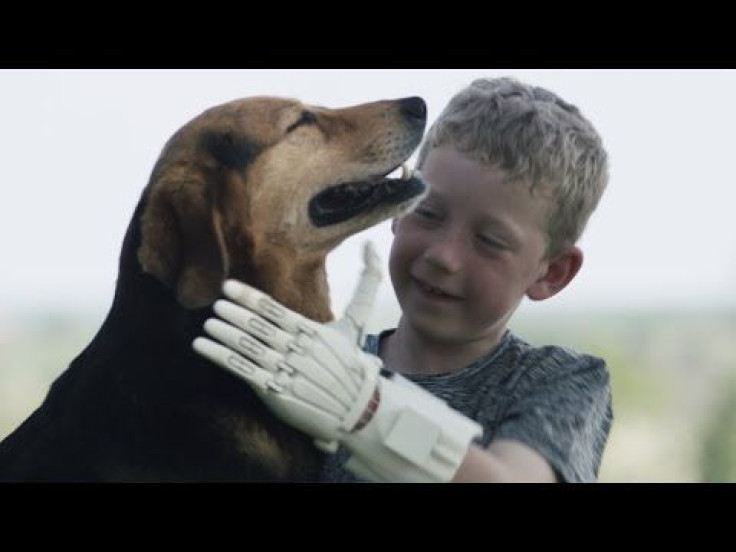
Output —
(297, 282)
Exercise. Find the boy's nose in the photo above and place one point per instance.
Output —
(445, 253)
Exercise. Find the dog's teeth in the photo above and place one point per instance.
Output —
(401, 173)
(405, 172)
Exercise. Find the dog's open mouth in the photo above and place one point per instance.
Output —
(345, 201)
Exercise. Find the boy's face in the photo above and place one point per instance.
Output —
(462, 261)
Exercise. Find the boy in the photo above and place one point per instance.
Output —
(514, 174)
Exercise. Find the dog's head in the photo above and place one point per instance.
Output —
(266, 177)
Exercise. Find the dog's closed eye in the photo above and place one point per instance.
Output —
(307, 118)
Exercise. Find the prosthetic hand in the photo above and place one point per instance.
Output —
(316, 378)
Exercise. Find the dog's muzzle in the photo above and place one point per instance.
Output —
(345, 201)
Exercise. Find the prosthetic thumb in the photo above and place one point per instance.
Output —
(357, 313)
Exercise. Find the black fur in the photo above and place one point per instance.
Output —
(139, 405)
(231, 151)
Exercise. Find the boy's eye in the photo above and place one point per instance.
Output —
(490, 241)
(426, 212)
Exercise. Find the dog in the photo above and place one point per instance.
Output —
(259, 189)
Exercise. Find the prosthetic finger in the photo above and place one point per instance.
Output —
(299, 364)
(284, 384)
(361, 304)
(233, 362)
(365, 294)
(262, 304)
(243, 343)
(253, 324)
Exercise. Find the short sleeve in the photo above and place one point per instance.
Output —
(563, 410)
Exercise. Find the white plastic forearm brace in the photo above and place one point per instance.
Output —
(413, 437)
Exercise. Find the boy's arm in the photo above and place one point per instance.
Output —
(504, 461)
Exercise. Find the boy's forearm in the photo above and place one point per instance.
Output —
(505, 461)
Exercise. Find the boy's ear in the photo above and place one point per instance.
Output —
(560, 271)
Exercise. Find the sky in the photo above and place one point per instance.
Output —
(77, 148)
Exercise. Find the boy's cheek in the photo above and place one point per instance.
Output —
(399, 223)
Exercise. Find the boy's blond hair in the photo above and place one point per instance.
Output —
(538, 139)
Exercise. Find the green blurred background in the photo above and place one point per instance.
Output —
(674, 388)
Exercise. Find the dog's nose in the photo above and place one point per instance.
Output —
(414, 107)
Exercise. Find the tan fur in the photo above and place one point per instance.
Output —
(252, 440)
(251, 223)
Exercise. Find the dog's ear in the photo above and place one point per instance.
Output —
(182, 241)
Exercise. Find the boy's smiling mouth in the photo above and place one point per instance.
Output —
(434, 292)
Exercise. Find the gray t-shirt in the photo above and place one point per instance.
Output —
(552, 399)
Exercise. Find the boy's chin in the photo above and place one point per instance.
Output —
(444, 332)
(440, 331)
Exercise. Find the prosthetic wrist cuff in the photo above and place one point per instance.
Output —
(412, 436)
